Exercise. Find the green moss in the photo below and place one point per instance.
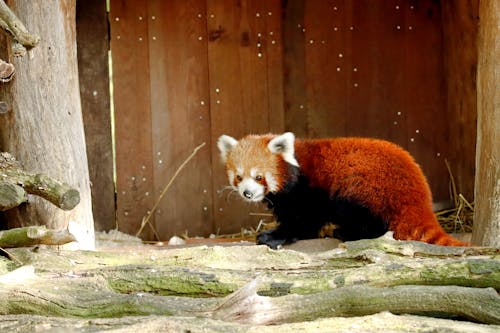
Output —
(167, 283)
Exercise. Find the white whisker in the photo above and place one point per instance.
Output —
(229, 188)
(268, 200)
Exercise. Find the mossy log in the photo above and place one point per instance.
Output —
(91, 297)
(35, 235)
(14, 182)
(11, 195)
(365, 277)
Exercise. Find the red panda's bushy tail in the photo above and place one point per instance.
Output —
(423, 227)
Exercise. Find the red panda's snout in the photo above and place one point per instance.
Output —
(254, 186)
(250, 189)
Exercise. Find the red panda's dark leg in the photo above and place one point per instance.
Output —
(287, 233)
(273, 238)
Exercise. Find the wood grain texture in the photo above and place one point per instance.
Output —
(93, 45)
(346, 68)
(487, 210)
(44, 127)
(132, 106)
(243, 96)
(180, 115)
(369, 69)
(460, 30)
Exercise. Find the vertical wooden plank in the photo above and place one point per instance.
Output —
(132, 109)
(180, 115)
(93, 45)
(326, 51)
(391, 75)
(424, 92)
(460, 26)
(239, 90)
(379, 72)
(374, 70)
(273, 13)
(294, 71)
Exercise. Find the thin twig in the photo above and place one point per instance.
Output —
(11, 256)
(261, 214)
(453, 187)
(148, 216)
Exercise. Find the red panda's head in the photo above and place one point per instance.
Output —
(258, 164)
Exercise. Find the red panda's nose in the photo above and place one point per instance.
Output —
(248, 194)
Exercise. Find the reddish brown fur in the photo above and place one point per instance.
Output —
(377, 174)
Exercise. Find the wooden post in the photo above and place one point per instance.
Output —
(487, 192)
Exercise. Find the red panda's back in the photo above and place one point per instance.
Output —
(380, 176)
(376, 173)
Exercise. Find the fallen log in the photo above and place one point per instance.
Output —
(90, 297)
(246, 306)
(379, 323)
(34, 235)
(15, 180)
(11, 195)
(357, 280)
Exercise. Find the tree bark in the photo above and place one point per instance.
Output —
(35, 235)
(261, 286)
(43, 127)
(486, 229)
(380, 323)
(14, 180)
(10, 23)
(11, 195)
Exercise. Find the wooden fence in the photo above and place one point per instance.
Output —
(185, 72)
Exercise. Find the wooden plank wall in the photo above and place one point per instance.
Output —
(167, 103)
(246, 89)
(186, 72)
(369, 68)
(93, 45)
(460, 28)
(132, 105)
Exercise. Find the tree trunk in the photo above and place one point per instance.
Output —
(487, 193)
(43, 127)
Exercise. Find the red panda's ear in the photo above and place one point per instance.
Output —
(284, 145)
(225, 145)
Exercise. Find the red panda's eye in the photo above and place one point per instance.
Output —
(258, 178)
(239, 178)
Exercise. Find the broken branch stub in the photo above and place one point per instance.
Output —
(60, 194)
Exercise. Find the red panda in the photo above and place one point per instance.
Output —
(363, 186)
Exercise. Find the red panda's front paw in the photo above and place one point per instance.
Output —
(273, 239)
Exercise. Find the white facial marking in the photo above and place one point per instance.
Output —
(250, 190)
(230, 176)
(272, 183)
(253, 172)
